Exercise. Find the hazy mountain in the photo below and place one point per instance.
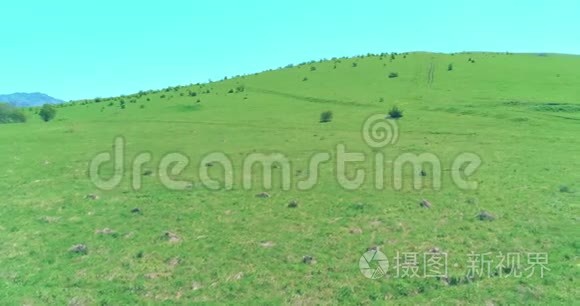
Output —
(28, 99)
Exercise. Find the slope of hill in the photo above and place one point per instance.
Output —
(518, 113)
(28, 99)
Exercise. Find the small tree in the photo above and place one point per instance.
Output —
(10, 114)
(395, 113)
(450, 67)
(393, 75)
(326, 117)
(47, 112)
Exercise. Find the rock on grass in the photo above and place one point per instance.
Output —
(93, 197)
(79, 249)
(263, 195)
(485, 216)
(425, 204)
(309, 260)
(267, 244)
(171, 237)
(105, 231)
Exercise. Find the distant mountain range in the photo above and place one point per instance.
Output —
(28, 99)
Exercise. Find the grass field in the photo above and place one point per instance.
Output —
(519, 112)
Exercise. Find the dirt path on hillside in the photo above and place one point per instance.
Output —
(431, 75)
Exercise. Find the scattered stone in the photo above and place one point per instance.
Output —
(136, 210)
(267, 244)
(77, 301)
(48, 219)
(472, 201)
(156, 275)
(171, 237)
(174, 262)
(355, 231)
(309, 260)
(236, 277)
(485, 216)
(93, 197)
(489, 303)
(293, 204)
(196, 286)
(263, 195)
(105, 231)
(425, 204)
(79, 249)
(444, 280)
(373, 248)
(434, 250)
(147, 172)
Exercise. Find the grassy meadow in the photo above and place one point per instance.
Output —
(519, 112)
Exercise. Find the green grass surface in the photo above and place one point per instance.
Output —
(520, 113)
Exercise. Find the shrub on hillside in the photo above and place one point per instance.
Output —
(47, 112)
(395, 113)
(11, 114)
(393, 75)
(326, 117)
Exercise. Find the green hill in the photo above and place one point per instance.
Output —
(519, 113)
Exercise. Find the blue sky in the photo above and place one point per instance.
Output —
(86, 49)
